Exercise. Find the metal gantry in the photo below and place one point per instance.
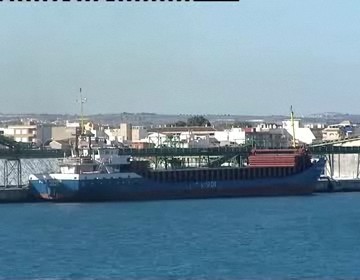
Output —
(212, 156)
(12, 173)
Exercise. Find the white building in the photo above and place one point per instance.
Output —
(123, 134)
(181, 137)
(72, 124)
(332, 133)
(114, 135)
(266, 126)
(26, 133)
(158, 139)
(302, 134)
(338, 131)
(231, 136)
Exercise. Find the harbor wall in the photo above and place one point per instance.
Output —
(15, 195)
(341, 173)
(343, 166)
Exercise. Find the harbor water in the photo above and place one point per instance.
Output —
(308, 236)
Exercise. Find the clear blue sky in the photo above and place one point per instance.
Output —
(249, 57)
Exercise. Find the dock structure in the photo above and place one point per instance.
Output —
(30, 153)
(226, 151)
(15, 194)
(214, 156)
(16, 150)
(342, 170)
(159, 152)
(343, 157)
(13, 155)
(12, 164)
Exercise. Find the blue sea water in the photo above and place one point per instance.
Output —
(283, 237)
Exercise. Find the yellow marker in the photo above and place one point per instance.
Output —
(293, 126)
(82, 101)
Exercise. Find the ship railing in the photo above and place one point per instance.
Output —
(185, 151)
(76, 161)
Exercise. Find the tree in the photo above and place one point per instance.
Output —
(180, 123)
(242, 124)
(198, 121)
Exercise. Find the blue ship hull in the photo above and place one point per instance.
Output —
(140, 188)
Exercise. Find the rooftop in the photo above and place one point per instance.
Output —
(183, 129)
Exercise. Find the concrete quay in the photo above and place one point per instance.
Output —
(324, 185)
(15, 194)
(22, 194)
(338, 185)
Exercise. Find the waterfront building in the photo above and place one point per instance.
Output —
(341, 130)
(26, 132)
(62, 132)
(116, 136)
(142, 144)
(185, 133)
(61, 144)
(274, 138)
(233, 136)
(266, 126)
(157, 139)
(202, 142)
(50, 132)
(72, 124)
(138, 133)
(333, 132)
(303, 135)
(125, 131)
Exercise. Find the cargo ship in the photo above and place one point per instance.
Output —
(102, 174)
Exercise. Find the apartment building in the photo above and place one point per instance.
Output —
(26, 133)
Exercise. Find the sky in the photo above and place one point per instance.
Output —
(252, 57)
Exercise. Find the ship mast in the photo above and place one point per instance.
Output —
(82, 101)
(292, 125)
